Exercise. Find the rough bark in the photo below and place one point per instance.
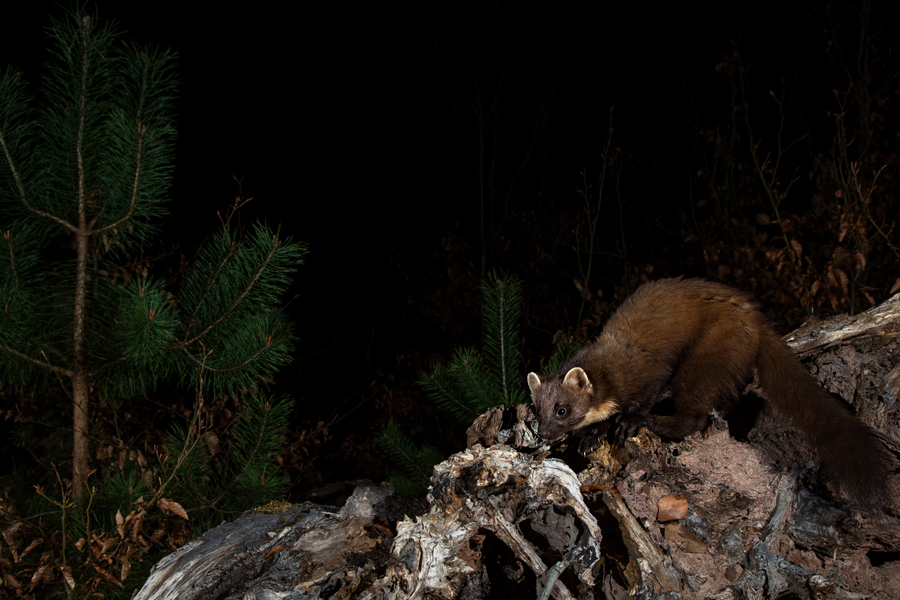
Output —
(740, 514)
(80, 384)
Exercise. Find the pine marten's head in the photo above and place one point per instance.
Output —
(566, 403)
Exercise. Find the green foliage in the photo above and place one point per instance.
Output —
(563, 350)
(84, 177)
(226, 302)
(233, 471)
(259, 436)
(144, 330)
(94, 162)
(502, 304)
(415, 463)
(123, 130)
(120, 491)
(472, 383)
(443, 388)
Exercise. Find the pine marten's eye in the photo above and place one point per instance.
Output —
(561, 411)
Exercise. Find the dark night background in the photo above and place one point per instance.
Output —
(349, 127)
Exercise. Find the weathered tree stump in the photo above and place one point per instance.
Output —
(739, 514)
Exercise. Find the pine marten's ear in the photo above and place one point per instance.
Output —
(577, 378)
(534, 383)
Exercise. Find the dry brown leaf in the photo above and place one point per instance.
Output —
(733, 572)
(671, 508)
(126, 569)
(141, 460)
(839, 255)
(835, 305)
(34, 544)
(869, 298)
(40, 576)
(9, 535)
(676, 532)
(95, 546)
(814, 288)
(158, 535)
(844, 280)
(137, 526)
(212, 442)
(12, 581)
(167, 504)
(129, 522)
(106, 544)
(600, 488)
(12, 548)
(895, 287)
(66, 573)
(845, 227)
(107, 576)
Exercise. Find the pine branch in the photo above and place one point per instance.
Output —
(400, 449)
(84, 38)
(222, 370)
(237, 302)
(441, 388)
(41, 363)
(211, 282)
(416, 463)
(12, 261)
(13, 102)
(12, 166)
(470, 385)
(232, 299)
(225, 282)
(146, 324)
(478, 386)
(259, 434)
(502, 305)
(562, 352)
(142, 129)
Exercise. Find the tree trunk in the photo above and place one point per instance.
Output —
(80, 383)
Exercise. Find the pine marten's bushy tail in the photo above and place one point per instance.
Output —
(849, 452)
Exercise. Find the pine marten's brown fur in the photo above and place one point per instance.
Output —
(702, 341)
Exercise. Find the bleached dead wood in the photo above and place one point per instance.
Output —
(493, 489)
(269, 554)
(881, 321)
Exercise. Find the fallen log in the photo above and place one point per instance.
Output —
(733, 512)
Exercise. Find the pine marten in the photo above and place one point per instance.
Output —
(702, 341)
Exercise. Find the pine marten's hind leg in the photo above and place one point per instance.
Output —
(707, 379)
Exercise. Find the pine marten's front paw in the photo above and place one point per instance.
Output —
(625, 428)
(593, 438)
